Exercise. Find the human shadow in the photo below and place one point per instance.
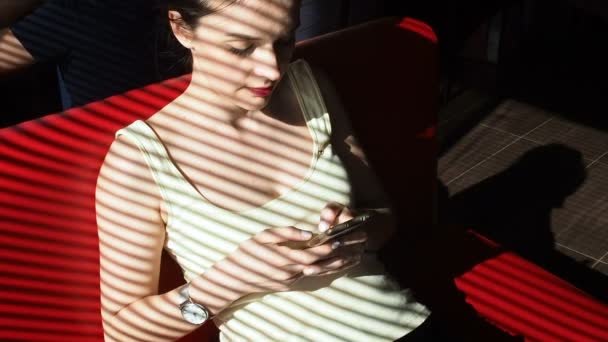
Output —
(513, 208)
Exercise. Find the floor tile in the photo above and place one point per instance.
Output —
(491, 166)
(582, 223)
(461, 115)
(583, 259)
(475, 147)
(602, 268)
(604, 158)
(516, 117)
(593, 143)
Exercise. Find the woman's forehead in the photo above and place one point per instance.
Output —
(256, 17)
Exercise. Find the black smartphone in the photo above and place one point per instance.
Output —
(340, 229)
(335, 231)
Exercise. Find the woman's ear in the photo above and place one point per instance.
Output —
(180, 29)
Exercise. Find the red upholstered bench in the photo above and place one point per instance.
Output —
(386, 73)
(49, 250)
(526, 300)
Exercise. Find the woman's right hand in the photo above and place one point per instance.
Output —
(263, 264)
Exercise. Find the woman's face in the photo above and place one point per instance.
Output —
(243, 50)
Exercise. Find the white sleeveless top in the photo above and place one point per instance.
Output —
(360, 304)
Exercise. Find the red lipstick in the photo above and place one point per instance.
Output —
(261, 92)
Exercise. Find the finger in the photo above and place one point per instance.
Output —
(332, 264)
(347, 265)
(329, 215)
(324, 266)
(355, 241)
(353, 238)
(248, 268)
(261, 256)
(282, 234)
(345, 215)
(294, 268)
(350, 251)
(259, 252)
(310, 255)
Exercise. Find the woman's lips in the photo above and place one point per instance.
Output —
(261, 92)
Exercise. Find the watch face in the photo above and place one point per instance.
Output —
(194, 313)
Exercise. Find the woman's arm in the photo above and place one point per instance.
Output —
(13, 55)
(131, 237)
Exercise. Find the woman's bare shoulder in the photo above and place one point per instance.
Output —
(125, 168)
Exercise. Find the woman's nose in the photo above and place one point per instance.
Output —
(267, 64)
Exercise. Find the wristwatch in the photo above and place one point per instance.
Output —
(192, 312)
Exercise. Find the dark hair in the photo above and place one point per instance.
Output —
(192, 10)
(174, 58)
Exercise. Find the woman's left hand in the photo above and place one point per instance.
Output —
(334, 213)
(348, 248)
(378, 230)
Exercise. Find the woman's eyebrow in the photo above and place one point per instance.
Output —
(242, 36)
(248, 37)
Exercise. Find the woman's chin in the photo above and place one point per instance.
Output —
(257, 103)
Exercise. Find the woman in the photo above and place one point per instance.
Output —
(242, 165)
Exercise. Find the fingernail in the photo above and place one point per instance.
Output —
(306, 234)
(323, 226)
(335, 245)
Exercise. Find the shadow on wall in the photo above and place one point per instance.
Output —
(514, 208)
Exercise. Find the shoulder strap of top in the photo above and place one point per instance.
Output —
(309, 96)
(155, 154)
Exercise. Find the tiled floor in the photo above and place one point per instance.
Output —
(535, 181)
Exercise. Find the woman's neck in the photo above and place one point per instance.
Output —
(199, 97)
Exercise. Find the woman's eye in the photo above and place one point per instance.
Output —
(242, 52)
